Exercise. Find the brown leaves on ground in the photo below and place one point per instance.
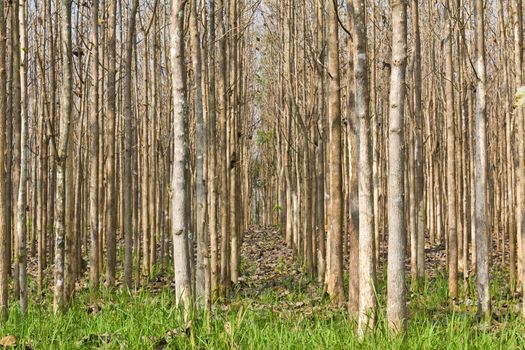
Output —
(268, 267)
(8, 341)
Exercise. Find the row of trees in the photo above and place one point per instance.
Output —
(123, 145)
(383, 136)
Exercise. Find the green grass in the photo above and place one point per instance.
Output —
(281, 317)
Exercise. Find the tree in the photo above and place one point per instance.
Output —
(222, 92)
(517, 13)
(4, 233)
(94, 151)
(63, 152)
(212, 158)
(21, 228)
(128, 152)
(367, 298)
(396, 300)
(179, 185)
(334, 271)
(451, 155)
(202, 269)
(111, 205)
(482, 231)
(419, 178)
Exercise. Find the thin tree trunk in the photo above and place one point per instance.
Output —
(396, 300)
(482, 230)
(111, 195)
(128, 152)
(334, 271)
(94, 151)
(4, 233)
(452, 256)
(179, 228)
(367, 273)
(202, 266)
(419, 166)
(63, 152)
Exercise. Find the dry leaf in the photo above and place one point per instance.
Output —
(8, 341)
(228, 328)
(519, 99)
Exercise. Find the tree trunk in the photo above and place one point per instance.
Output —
(179, 182)
(396, 301)
(482, 229)
(334, 271)
(63, 152)
(452, 256)
(367, 273)
(4, 233)
(111, 194)
(94, 152)
(128, 151)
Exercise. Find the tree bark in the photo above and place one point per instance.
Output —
(94, 151)
(4, 233)
(367, 273)
(482, 228)
(396, 300)
(63, 152)
(179, 182)
(128, 152)
(334, 271)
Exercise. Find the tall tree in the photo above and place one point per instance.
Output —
(4, 233)
(202, 268)
(93, 150)
(111, 205)
(179, 182)
(451, 155)
(396, 299)
(334, 271)
(212, 157)
(482, 225)
(63, 151)
(517, 19)
(128, 151)
(21, 227)
(367, 273)
(419, 166)
(222, 92)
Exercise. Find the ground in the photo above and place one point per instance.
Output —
(274, 307)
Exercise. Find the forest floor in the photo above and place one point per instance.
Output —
(274, 306)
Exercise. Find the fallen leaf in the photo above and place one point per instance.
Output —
(228, 328)
(8, 341)
(519, 100)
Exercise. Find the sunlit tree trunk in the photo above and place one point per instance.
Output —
(21, 228)
(128, 151)
(396, 299)
(179, 182)
(353, 121)
(367, 273)
(202, 265)
(94, 151)
(419, 166)
(517, 13)
(111, 194)
(63, 152)
(482, 226)
(212, 158)
(334, 271)
(4, 233)
(452, 256)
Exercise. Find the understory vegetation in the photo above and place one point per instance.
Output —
(280, 317)
(274, 307)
